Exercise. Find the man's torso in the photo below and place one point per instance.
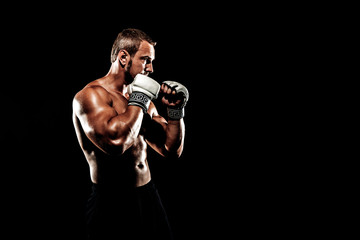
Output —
(129, 168)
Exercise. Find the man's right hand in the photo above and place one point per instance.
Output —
(142, 90)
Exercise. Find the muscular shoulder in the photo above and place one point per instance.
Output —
(91, 96)
(93, 92)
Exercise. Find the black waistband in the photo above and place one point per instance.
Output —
(119, 187)
(149, 185)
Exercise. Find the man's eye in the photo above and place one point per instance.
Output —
(146, 59)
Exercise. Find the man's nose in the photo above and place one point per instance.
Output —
(149, 68)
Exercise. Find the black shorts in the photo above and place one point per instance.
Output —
(126, 213)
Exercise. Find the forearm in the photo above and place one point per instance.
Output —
(122, 130)
(168, 140)
(175, 135)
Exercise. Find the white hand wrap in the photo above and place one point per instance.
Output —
(142, 90)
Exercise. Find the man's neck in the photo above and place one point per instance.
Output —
(115, 79)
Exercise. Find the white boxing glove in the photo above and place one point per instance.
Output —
(177, 112)
(142, 90)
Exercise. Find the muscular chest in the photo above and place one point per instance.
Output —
(119, 103)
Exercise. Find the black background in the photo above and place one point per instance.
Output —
(52, 54)
(230, 178)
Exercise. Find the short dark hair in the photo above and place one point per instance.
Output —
(130, 40)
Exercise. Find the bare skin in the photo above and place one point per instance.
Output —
(114, 136)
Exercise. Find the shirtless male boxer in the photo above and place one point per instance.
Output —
(115, 120)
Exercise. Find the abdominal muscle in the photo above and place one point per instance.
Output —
(131, 168)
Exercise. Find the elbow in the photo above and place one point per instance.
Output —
(111, 147)
(119, 146)
(173, 153)
(114, 146)
(179, 152)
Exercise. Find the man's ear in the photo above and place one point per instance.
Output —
(123, 57)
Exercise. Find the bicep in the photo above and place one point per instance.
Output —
(93, 109)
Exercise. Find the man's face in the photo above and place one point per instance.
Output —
(141, 62)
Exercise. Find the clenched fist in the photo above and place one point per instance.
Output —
(175, 97)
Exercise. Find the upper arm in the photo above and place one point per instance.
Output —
(93, 108)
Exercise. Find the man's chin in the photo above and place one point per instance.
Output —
(128, 78)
